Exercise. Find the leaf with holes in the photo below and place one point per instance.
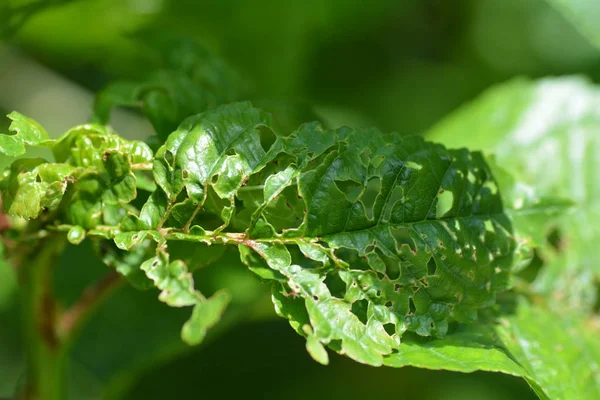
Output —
(545, 133)
(376, 234)
(365, 235)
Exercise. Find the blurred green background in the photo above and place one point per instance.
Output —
(399, 65)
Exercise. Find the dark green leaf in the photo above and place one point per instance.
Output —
(544, 133)
(415, 233)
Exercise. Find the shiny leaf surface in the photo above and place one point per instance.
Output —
(545, 134)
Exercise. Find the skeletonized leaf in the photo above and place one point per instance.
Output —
(375, 234)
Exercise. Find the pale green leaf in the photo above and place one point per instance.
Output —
(561, 353)
(33, 185)
(205, 315)
(26, 132)
(470, 348)
(76, 235)
(583, 14)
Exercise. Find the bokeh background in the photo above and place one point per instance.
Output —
(397, 65)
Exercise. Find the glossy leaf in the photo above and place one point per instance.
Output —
(33, 185)
(95, 163)
(368, 235)
(561, 353)
(414, 233)
(26, 132)
(545, 134)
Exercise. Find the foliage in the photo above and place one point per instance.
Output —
(471, 249)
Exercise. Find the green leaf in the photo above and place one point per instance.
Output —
(366, 235)
(191, 80)
(583, 14)
(559, 352)
(371, 231)
(544, 133)
(27, 132)
(557, 355)
(177, 290)
(470, 348)
(533, 217)
(32, 185)
(205, 315)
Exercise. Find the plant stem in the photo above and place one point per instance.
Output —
(71, 320)
(46, 358)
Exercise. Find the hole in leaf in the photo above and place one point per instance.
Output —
(351, 257)
(181, 196)
(370, 195)
(286, 211)
(336, 345)
(431, 267)
(392, 267)
(38, 179)
(390, 329)
(184, 174)
(298, 258)
(396, 196)
(214, 179)
(315, 297)
(388, 303)
(445, 202)
(402, 237)
(351, 189)
(170, 158)
(335, 284)
(360, 308)
(411, 306)
(267, 137)
(555, 239)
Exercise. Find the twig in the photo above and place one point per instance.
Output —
(71, 319)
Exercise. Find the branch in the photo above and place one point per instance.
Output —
(92, 296)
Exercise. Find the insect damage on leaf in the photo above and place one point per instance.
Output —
(366, 235)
